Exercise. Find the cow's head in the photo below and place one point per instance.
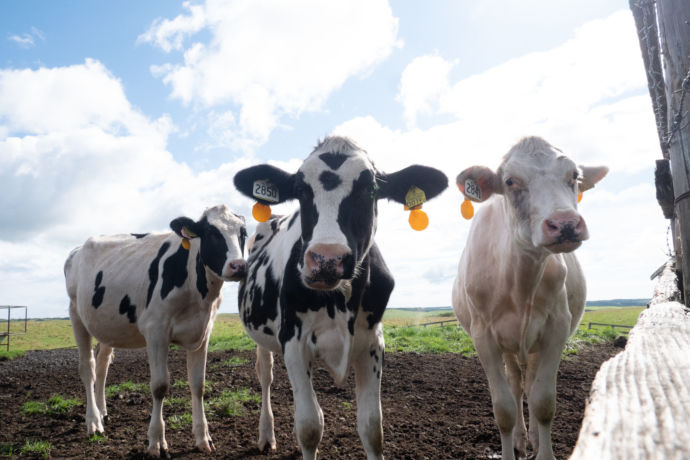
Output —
(540, 186)
(221, 234)
(337, 187)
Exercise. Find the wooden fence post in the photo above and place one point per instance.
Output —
(674, 25)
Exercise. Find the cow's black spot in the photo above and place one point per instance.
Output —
(313, 338)
(201, 284)
(356, 214)
(264, 305)
(98, 291)
(334, 160)
(379, 288)
(268, 330)
(293, 219)
(378, 375)
(329, 180)
(242, 239)
(274, 225)
(308, 212)
(174, 271)
(351, 325)
(129, 309)
(139, 235)
(153, 271)
(214, 249)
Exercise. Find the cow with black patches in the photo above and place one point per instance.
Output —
(151, 290)
(317, 284)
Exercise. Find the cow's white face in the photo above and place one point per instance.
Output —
(222, 235)
(337, 187)
(540, 186)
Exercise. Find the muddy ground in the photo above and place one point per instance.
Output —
(434, 407)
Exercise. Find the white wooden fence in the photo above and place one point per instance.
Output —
(639, 404)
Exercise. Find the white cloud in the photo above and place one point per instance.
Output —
(424, 81)
(25, 41)
(269, 59)
(28, 40)
(170, 33)
(593, 107)
(76, 160)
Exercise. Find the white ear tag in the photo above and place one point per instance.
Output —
(472, 190)
(265, 190)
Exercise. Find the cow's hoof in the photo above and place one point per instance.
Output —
(206, 446)
(266, 445)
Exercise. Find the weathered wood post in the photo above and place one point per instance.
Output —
(672, 112)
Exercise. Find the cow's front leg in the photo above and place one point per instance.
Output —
(196, 375)
(504, 406)
(264, 370)
(308, 415)
(515, 373)
(542, 396)
(103, 359)
(94, 422)
(157, 350)
(368, 366)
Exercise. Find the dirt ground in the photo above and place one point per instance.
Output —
(434, 407)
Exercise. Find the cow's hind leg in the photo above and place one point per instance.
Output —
(515, 377)
(157, 351)
(94, 422)
(368, 368)
(308, 414)
(196, 375)
(264, 370)
(103, 359)
(504, 405)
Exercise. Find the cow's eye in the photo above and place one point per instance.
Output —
(510, 182)
(575, 175)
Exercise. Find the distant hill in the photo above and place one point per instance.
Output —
(590, 303)
(618, 303)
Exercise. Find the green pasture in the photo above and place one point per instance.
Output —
(402, 331)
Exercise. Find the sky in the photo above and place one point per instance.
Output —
(117, 117)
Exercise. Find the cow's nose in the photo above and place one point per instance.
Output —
(561, 227)
(327, 258)
(236, 269)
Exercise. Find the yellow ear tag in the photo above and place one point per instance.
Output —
(414, 199)
(185, 243)
(579, 196)
(261, 212)
(467, 209)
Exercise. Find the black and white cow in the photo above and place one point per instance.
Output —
(150, 290)
(317, 284)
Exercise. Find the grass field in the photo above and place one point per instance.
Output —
(401, 330)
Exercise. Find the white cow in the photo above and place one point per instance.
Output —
(151, 290)
(520, 292)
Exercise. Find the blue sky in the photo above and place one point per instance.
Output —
(118, 117)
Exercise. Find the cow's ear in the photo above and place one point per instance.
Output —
(591, 175)
(186, 227)
(265, 184)
(478, 183)
(395, 186)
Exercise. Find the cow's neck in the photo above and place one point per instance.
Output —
(525, 271)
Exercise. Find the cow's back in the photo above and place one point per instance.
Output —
(108, 280)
